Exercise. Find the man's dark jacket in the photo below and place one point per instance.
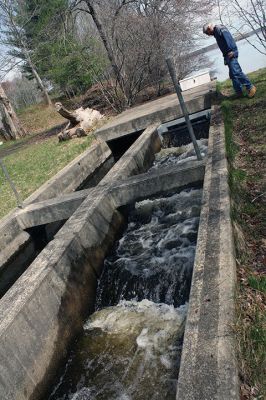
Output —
(225, 40)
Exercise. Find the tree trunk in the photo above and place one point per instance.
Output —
(29, 61)
(38, 78)
(11, 120)
(107, 46)
(66, 114)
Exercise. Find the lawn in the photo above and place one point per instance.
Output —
(245, 129)
(32, 165)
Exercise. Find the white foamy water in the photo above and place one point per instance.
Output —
(127, 351)
(131, 347)
(154, 258)
(179, 155)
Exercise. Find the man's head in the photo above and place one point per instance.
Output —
(208, 29)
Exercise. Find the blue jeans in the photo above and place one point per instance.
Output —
(238, 77)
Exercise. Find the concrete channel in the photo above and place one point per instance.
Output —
(45, 307)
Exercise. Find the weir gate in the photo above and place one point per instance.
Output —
(117, 278)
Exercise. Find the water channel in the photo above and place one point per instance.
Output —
(131, 346)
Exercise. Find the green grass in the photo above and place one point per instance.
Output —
(258, 283)
(33, 165)
(245, 132)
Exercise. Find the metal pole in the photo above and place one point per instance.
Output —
(12, 185)
(183, 106)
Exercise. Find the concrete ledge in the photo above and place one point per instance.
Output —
(45, 308)
(125, 191)
(137, 158)
(146, 185)
(208, 366)
(84, 167)
(157, 112)
(74, 174)
(51, 210)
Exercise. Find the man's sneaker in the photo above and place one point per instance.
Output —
(252, 92)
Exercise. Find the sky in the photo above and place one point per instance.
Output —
(249, 58)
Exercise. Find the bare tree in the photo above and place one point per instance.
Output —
(136, 35)
(244, 16)
(12, 35)
(12, 125)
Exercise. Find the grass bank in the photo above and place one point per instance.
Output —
(32, 165)
(245, 128)
(39, 117)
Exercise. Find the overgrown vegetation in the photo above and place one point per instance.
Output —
(245, 128)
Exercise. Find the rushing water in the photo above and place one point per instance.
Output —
(179, 155)
(131, 346)
(154, 258)
(129, 351)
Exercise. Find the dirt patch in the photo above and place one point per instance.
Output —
(39, 137)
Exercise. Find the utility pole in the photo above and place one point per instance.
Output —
(183, 106)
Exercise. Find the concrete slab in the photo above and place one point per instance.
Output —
(158, 111)
(45, 308)
(208, 366)
(150, 184)
(74, 174)
(125, 191)
(138, 157)
(95, 161)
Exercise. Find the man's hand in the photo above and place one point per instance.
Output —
(230, 54)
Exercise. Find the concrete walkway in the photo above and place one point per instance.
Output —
(158, 111)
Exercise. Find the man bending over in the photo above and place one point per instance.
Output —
(229, 49)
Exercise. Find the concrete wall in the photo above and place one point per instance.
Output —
(16, 246)
(81, 169)
(46, 307)
(137, 158)
(208, 366)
